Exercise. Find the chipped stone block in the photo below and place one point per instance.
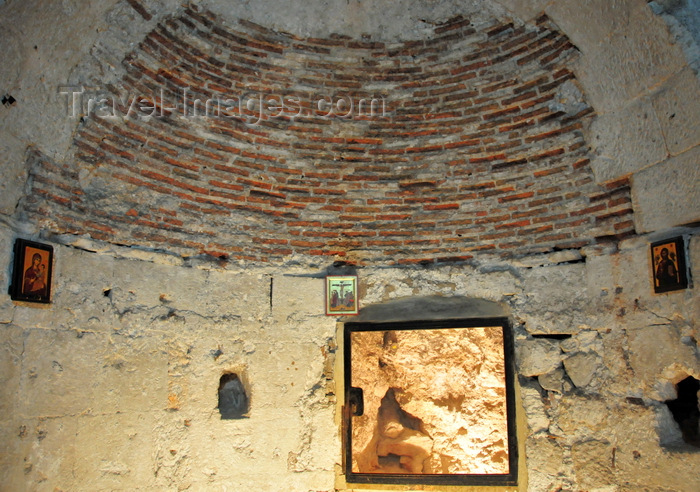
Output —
(583, 341)
(53, 377)
(640, 460)
(677, 107)
(132, 377)
(668, 194)
(599, 277)
(50, 455)
(537, 357)
(295, 298)
(582, 367)
(628, 140)
(553, 381)
(537, 418)
(548, 290)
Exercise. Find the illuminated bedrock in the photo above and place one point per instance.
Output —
(434, 402)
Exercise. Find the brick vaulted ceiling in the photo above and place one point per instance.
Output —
(436, 150)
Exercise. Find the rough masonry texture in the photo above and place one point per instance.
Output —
(200, 167)
(245, 143)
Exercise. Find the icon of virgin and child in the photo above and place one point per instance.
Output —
(35, 283)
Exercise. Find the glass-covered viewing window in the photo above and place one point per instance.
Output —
(429, 402)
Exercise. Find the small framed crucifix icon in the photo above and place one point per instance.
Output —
(341, 295)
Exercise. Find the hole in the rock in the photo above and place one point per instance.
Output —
(552, 336)
(233, 400)
(435, 407)
(685, 410)
(8, 100)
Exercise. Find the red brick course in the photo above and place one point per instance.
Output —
(462, 154)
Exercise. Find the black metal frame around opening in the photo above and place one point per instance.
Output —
(508, 479)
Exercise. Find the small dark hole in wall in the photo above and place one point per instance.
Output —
(553, 336)
(8, 100)
(685, 410)
(233, 400)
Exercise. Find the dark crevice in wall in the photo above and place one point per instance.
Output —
(8, 100)
(553, 336)
(271, 290)
(685, 410)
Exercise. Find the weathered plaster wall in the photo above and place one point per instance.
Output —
(113, 386)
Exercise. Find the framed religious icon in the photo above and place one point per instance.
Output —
(668, 265)
(31, 274)
(341, 295)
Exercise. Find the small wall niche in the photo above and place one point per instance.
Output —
(686, 410)
(233, 398)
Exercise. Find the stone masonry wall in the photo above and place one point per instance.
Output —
(527, 154)
(113, 386)
(470, 141)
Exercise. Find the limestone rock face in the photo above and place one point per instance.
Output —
(536, 357)
(434, 401)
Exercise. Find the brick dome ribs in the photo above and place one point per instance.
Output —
(467, 143)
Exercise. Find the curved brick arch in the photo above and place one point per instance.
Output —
(471, 147)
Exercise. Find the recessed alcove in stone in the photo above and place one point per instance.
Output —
(233, 398)
(479, 147)
(686, 410)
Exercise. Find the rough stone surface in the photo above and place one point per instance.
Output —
(553, 381)
(678, 109)
(683, 19)
(537, 357)
(545, 463)
(681, 205)
(654, 368)
(433, 399)
(621, 64)
(537, 418)
(581, 368)
(526, 10)
(633, 132)
(113, 386)
(594, 464)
